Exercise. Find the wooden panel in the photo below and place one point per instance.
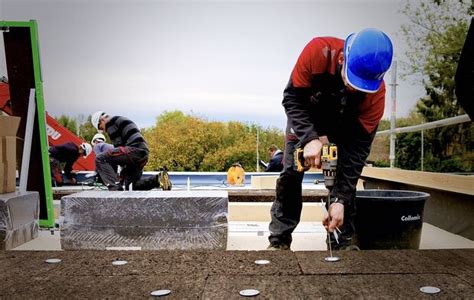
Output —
(452, 183)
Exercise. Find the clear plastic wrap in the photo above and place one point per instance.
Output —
(19, 218)
(151, 220)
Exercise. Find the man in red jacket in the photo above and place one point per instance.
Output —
(335, 94)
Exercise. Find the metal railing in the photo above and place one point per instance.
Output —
(420, 127)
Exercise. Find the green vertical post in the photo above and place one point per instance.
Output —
(38, 85)
(49, 222)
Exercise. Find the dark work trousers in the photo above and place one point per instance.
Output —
(286, 209)
(132, 160)
(56, 172)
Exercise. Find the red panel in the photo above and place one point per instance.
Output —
(58, 135)
(4, 97)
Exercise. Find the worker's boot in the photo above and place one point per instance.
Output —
(114, 187)
(275, 246)
(345, 244)
(163, 180)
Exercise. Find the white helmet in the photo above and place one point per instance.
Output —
(95, 119)
(87, 149)
(97, 137)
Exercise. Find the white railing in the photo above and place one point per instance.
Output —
(419, 127)
(430, 125)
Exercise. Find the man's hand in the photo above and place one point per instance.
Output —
(324, 139)
(312, 153)
(336, 215)
(72, 181)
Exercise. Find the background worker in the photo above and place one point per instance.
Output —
(276, 159)
(99, 145)
(130, 152)
(335, 94)
(66, 153)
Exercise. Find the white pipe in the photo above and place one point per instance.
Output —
(258, 156)
(393, 114)
(25, 161)
(422, 150)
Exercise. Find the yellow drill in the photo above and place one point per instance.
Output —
(328, 163)
(329, 166)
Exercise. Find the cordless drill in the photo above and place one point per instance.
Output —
(328, 163)
(329, 166)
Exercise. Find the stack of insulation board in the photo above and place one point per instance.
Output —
(145, 219)
(19, 218)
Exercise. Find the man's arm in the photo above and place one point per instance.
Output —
(68, 169)
(272, 165)
(295, 102)
(54, 151)
(297, 91)
(351, 160)
(355, 146)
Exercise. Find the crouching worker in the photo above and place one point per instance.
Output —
(130, 152)
(99, 145)
(66, 153)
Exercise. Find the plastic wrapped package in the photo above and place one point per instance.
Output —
(151, 220)
(19, 218)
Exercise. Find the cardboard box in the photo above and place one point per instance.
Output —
(8, 129)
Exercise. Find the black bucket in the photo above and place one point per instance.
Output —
(388, 219)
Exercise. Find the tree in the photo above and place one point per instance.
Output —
(183, 142)
(68, 122)
(87, 131)
(435, 36)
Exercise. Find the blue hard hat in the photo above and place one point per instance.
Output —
(367, 56)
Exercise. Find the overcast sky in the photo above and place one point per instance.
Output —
(220, 60)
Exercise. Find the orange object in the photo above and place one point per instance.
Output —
(236, 175)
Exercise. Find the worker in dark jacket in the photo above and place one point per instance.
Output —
(465, 74)
(276, 161)
(130, 152)
(335, 94)
(66, 153)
